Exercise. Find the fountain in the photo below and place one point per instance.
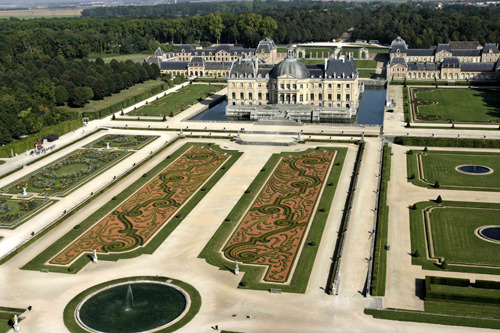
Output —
(490, 233)
(121, 308)
(24, 194)
(129, 300)
(474, 169)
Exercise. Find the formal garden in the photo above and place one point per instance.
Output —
(461, 105)
(122, 141)
(13, 212)
(176, 102)
(446, 235)
(66, 174)
(458, 170)
(140, 218)
(266, 230)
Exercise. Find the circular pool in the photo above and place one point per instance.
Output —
(491, 233)
(132, 307)
(474, 169)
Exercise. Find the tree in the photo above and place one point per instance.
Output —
(268, 26)
(215, 25)
(61, 95)
(80, 96)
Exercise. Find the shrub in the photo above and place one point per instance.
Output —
(4, 208)
(312, 243)
(425, 149)
(145, 175)
(416, 254)
(164, 118)
(113, 117)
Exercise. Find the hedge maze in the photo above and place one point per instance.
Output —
(144, 214)
(427, 167)
(267, 230)
(444, 236)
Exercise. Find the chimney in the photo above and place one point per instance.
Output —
(326, 64)
(239, 60)
(256, 66)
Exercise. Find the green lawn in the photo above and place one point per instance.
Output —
(122, 141)
(458, 105)
(253, 274)
(365, 63)
(366, 73)
(176, 102)
(139, 88)
(313, 62)
(441, 166)
(136, 57)
(2, 162)
(67, 173)
(451, 230)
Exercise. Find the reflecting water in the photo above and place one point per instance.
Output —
(371, 109)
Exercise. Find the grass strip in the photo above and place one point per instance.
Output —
(380, 253)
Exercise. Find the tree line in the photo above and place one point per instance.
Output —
(34, 93)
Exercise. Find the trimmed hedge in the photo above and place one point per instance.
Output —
(446, 142)
(462, 290)
(20, 146)
(380, 254)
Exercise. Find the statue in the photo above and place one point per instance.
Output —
(298, 137)
(24, 192)
(94, 259)
(236, 269)
(16, 324)
(107, 145)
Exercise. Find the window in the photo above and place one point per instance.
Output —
(241, 85)
(267, 96)
(301, 98)
(339, 97)
(242, 96)
(260, 85)
(288, 86)
(338, 85)
(320, 97)
(260, 95)
(320, 85)
(301, 86)
(330, 85)
(294, 87)
(347, 97)
(312, 97)
(282, 86)
(234, 95)
(250, 85)
(329, 97)
(233, 85)
(250, 96)
(348, 86)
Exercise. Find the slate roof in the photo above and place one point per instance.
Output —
(450, 62)
(266, 46)
(159, 52)
(341, 67)
(397, 61)
(466, 53)
(242, 68)
(398, 44)
(443, 47)
(197, 62)
(422, 66)
(478, 66)
(174, 65)
(217, 65)
(420, 52)
(185, 47)
(492, 47)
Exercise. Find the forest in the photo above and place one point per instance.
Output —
(44, 67)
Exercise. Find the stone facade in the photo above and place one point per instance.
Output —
(213, 62)
(257, 89)
(446, 62)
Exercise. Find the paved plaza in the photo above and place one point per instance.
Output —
(223, 303)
